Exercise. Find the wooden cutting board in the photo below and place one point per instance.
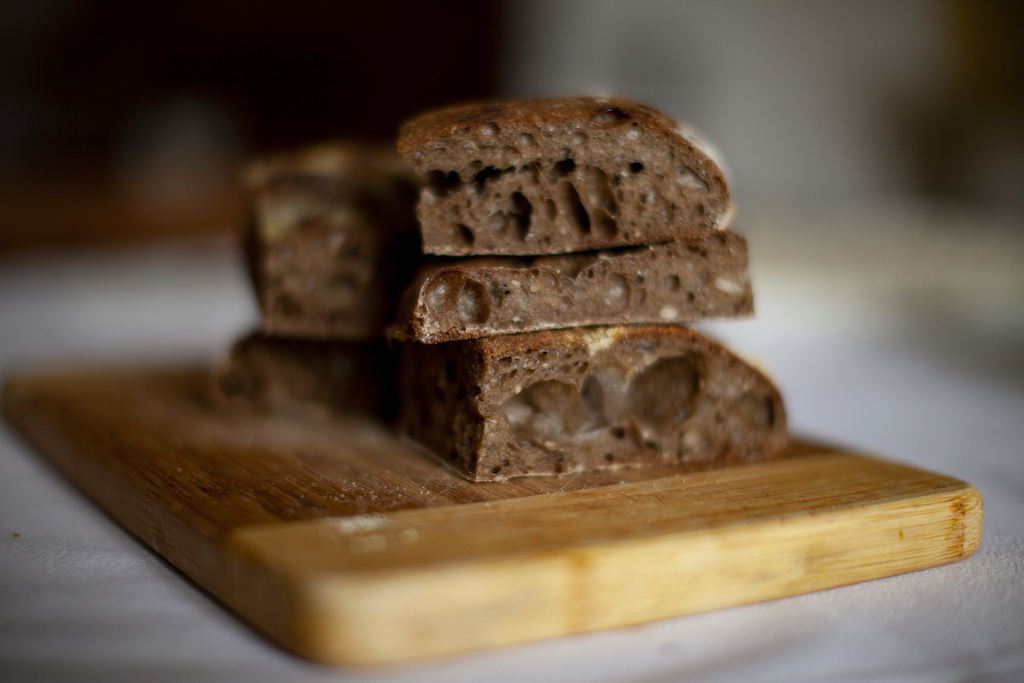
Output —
(345, 544)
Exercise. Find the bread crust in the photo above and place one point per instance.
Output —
(560, 175)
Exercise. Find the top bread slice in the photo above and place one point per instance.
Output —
(558, 176)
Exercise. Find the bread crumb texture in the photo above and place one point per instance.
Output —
(560, 175)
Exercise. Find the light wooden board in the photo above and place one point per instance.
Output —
(346, 545)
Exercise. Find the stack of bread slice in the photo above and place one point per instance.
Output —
(537, 292)
(568, 243)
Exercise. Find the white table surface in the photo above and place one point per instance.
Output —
(892, 327)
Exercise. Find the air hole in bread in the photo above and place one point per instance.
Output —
(687, 177)
(550, 209)
(577, 214)
(484, 175)
(543, 410)
(610, 117)
(437, 294)
(664, 395)
(605, 224)
(522, 214)
(672, 283)
(499, 290)
(474, 304)
(592, 395)
(636, 167)
(444, 183)
(463, 235)
(564, 167)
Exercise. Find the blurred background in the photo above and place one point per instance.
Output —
(126, 121)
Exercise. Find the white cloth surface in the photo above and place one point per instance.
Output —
(896, 329)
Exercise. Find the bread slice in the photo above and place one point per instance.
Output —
(332, 240)
(560, 175)
(583, 399)
(464, 298)
(266, 374)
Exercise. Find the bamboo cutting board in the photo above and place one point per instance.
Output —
(346, 545)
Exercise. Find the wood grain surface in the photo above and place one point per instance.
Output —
(345, 544)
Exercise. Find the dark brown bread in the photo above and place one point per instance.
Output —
(673, 282)
(583, 399)
(269, 374)
(332, 241)
(561, 175)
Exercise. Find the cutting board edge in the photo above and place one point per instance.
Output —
(372, 617)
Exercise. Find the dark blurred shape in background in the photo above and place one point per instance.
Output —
(128, 120)
(971, 143)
